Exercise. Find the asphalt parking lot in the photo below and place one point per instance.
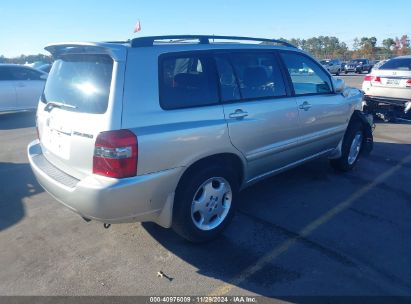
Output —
(309, 231)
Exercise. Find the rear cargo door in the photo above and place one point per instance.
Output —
(78, 104)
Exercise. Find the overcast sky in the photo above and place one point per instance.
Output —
(27, 26)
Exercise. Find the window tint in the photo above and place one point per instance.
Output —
(80, 80)
(21, 73)
(187, 81)
(401, 64)
(5, 74)
(229, 90)
(306, 75)
(258, 75)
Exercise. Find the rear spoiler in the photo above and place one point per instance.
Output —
(117, 51)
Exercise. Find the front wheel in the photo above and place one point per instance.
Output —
(205, 202)
(351, 148)
(337, 73)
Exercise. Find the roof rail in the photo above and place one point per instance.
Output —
(202, 39)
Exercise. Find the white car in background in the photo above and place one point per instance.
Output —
(388, 89)
(20, 87)
(332, 65)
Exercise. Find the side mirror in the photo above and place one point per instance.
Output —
(43, 76)
(339, 85)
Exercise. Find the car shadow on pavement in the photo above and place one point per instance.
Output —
(306, 231)
(17, 182)
(17, 120)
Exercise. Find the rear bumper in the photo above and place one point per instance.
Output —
(400, 102)
(136, 199)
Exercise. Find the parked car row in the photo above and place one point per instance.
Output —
(336, 66)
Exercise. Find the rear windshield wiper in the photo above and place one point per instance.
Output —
(53, 104)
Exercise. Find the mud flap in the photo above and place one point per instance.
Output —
(367, 122)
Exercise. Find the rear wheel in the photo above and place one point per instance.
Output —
(205, 202)
(351, 148)
(337, 73)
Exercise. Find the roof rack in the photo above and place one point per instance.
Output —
(202, 39)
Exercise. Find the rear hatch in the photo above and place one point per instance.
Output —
(82, 97)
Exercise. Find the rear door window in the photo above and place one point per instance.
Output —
(258, 75)
(306, 75)
(81, 81)
(229, 89)
(187, 81)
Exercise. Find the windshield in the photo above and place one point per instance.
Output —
(401, 64)
(325, 62)
(357, 61)
(82, 81)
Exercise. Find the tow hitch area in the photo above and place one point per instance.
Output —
(86, 219)
(105, 225)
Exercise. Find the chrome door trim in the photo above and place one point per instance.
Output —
(295, 142)
(279, 170)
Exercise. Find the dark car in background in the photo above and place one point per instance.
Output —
(358, 66)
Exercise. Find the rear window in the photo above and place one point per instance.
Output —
(401, 64)
(82, 81)
(187, 81)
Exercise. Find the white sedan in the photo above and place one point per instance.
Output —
(20, 87)
(388, 89)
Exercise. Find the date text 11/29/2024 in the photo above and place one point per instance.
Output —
(203, 299)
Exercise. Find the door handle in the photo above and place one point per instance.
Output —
(305, 106)
(21, 85)
(238, 114)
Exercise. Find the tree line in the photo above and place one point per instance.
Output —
(323, 47)
(22, 59)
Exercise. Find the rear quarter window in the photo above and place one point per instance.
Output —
(187, 81)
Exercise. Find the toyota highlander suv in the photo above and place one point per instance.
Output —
(169, 129)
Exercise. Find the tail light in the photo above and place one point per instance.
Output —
(368, 78)
(115, 154)
(377, 79)
(408, 83)
(372, 78)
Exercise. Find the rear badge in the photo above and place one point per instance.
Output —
(82, 134)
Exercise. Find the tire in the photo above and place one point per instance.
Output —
(191, 224)
(338, 73)
(351, 148)
(346, 72)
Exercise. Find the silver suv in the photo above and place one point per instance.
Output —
(169, 129)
